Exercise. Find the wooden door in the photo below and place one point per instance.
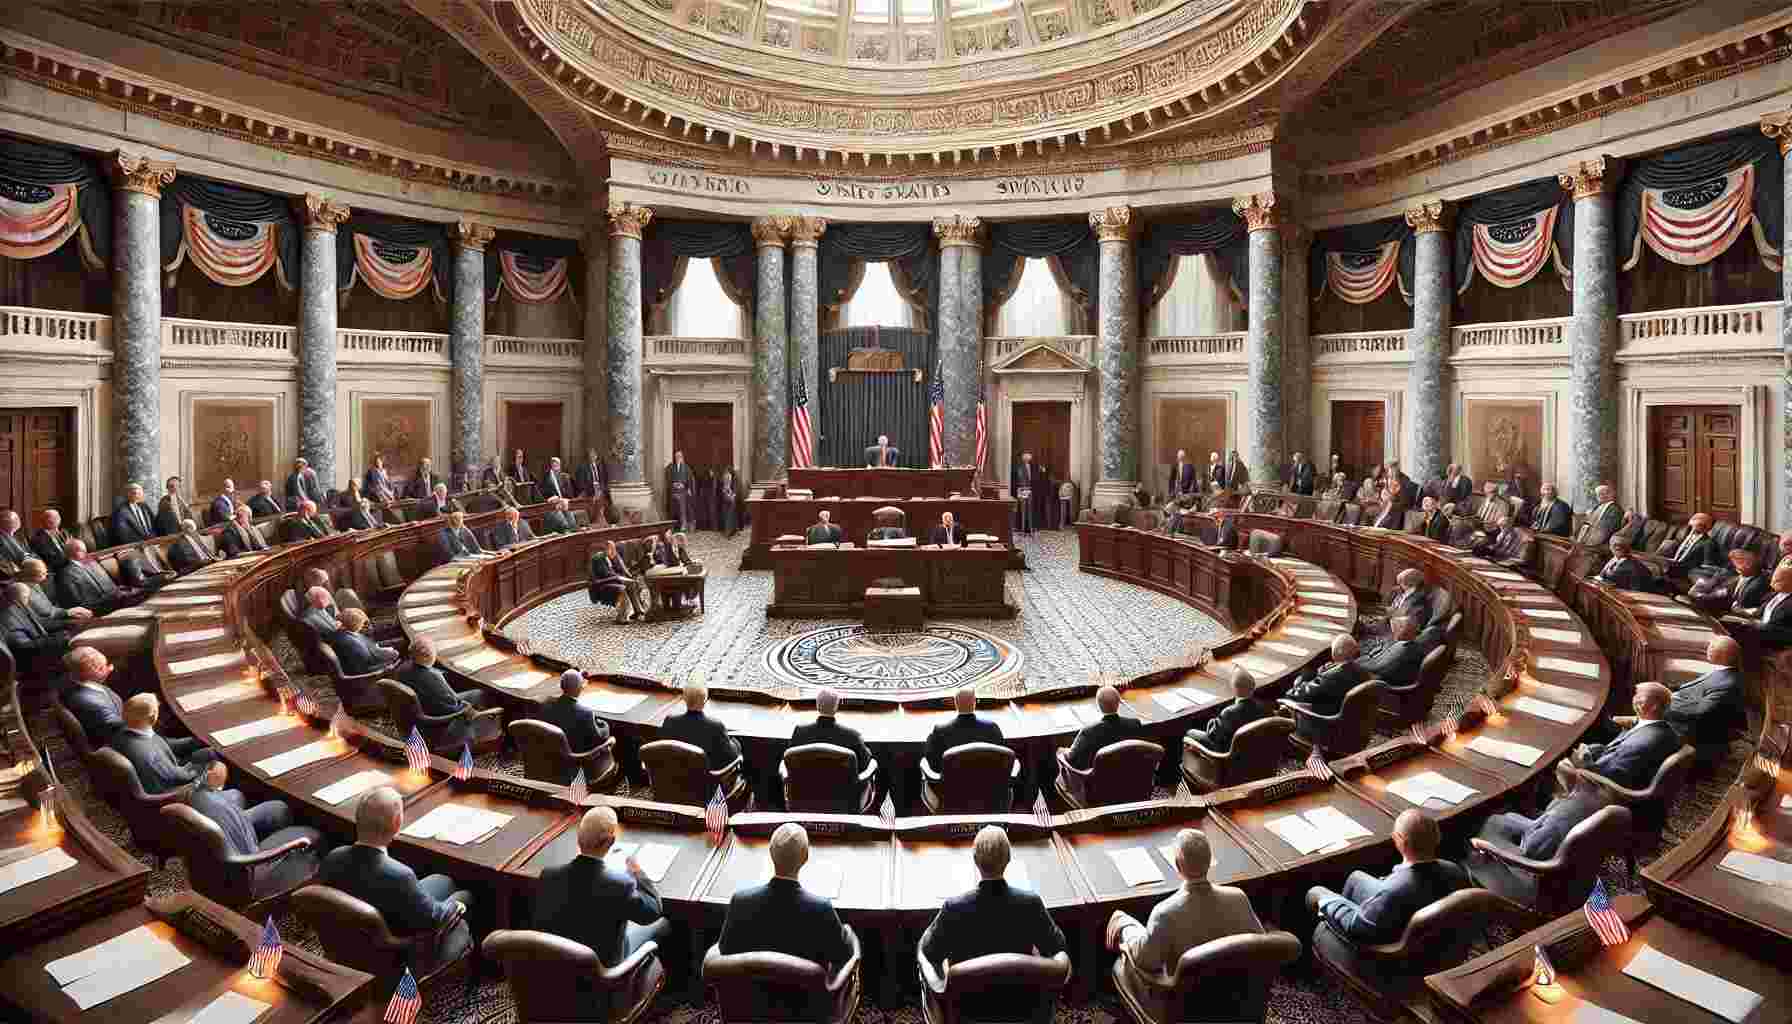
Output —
(1695, 461)
(37, 466)
(535, 428)
(1042, 428)
(1357, 435)
(704, 431)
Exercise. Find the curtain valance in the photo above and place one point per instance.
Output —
(1507, 236)
(233, 235)
(1222, 234)
(1069, 244)
(49, 194)
(669, 244)
(397, 258)
(532, 268)
(1358, 263)
(1692, 203)
(846, 248)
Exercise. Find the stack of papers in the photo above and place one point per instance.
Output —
(298, 757)
(210, 661)
(1416, 789)
(1585, 669)
(1757, 868)
(231, 1008)
(1322, 828)
(1544, 709)
(526, 679)
(1135, 866)
(1328, 598)
(980, 538)
(1182, 698)
(30, 869)
(1560, 636)
(1309, 634)
(1700, 988)
(1260, 667)
(1562, 695)
(458, 824)
(202, 699)
(1517, 753)
(892, 542)
(480, 659)
(116, 966)
(1281, 648)
(655, 858)
(608, 703)
(356, 784)
(250, 730)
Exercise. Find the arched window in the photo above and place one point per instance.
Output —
(877, 303)
(700, 308)
(1039, 307)
(1200, 301)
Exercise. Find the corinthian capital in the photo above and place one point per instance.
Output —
(627, 220)
(134, 172)
(958, 230)
(472, 235)
(1258, 210)
(320, 213)
(1113, 224)
(1778, 126)
(1592, 176)
(773, 231)
(1434, 215)
(807, 231)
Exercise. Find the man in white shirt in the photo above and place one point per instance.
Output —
(1198, 912)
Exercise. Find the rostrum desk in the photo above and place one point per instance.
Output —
(884, 482)
(825, 583)
(782, 517)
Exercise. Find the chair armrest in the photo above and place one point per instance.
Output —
(1621, 794)
(267, 856)
(373, 676)
(606, 745)
(1515, 859)
(1306, 711)
(427, 719)
(930, 975)
(1014, 770)
(850, 967)
(927, 771)
(1161, 981)
(497, 713)
(1064, 765)
(869, 772)
(629, 964)
(728, 770)
(1192, 744)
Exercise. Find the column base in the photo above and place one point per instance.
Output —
(633, 502)
(1108, 493)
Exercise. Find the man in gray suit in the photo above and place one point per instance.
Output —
(302, 485)
(1604, 519)
(85, 584)
(1632, 758)
(456, 540)
(172, 510)
(13, 548)
(320, 613)
(1196, 913)
(192, 551)
(34, 575)
(1373, 910)
(680, 484)
(512, 530)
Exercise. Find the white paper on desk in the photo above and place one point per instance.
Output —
(1757, 868)
(165, 602)
(1135, 866)
(1171, 701)
(419, 611)
(75, 966)
(480, 660)
(1546, 613)
(196, 636)
(1325, 610)
(1544, 709)
(433, 822)
(1585, 669)
(111, 632)
(1562, 695)
(1299, 833)
(299, 757)
(1666, 611)
(1341, 827)
(1786, 803)
(210, 661)
(251, 730)
(1592, 1013)
(33, 868)
(1064, 718)
(1086, 714)
(1494, 574)
(611, 703)
(1281, 648)
(205, 698)
(656, 859)
(356, 784)
(819, 877)
(526, 679)
(1195, 696)
(1260, 667)
(1701, 988)
(1310, 634)
(1517, 753)
(1326, 597)
(124, 976)
(231, 1008)
(1560, 636)
(1311, 582)
(1429, 785)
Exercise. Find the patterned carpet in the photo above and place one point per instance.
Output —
(1071, 622)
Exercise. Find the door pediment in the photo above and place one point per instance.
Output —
(1042, 357)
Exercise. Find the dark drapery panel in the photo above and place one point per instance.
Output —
(531, 248)
(230, 203)
(1070, 241)
(1222, 233)
(34, 163)
(910, 246)
(1510, 204)
(1360, 238)
(856, 407)
(1732, 277)
(1699, 163)
(399, 232)
(668, 241)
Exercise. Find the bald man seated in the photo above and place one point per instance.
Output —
(356, 650)
(159, 768)
(612, 908)
(1773, 624)
(827, 729)
(1246, 707)
(1113, 727)
(434, 694)
(367, 872)
(97, 706)
(1198, 912)
(965, 727)
(1374, 910)
(700, 730)
(993, 917)
(583, 729)
(1323, 687)
(1706, 711)
(1533, 838)
(1413, 597)
(1632, 758)
(1623, 570)
(780, 916)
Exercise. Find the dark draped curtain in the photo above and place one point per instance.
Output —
(229, 202)
(1361, 238)
(1070, 242)
(910, 246)
(1692, 165)
(1222, 234)
(400, 232)
(856, 407)
(1522, 200)
(33, 163)
(535, 252)
(667, 242)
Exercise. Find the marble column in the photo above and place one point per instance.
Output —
(1427, 389)
(1593, 332)
(771, 356)
(466, 346)
(961, 350)
(1297, 348)
(319, 216)
(1263, 454)
(628, 487)
(597, 348)
(136, 321)
(1117, 357)
(949, 332)
(805, 313)
(1778, 126)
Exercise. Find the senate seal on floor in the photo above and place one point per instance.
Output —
(941, 657)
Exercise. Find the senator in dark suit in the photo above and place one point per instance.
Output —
(132, 521)
(1415, 598)
(700, 730)
(554, 483)
(1552, 515)
(882, 453)
(827, 729)
(1458, 486)
(1112, 728)
(172, 510)
(302, 485)
(1225, 534)
(1532, 838)
(824, 532)
(1707, 710)
(1244, 709)
(1605, 519)
(365, 517)
(376, 483)
(455, 540)
(593, 477)
(50, 540)
(1303, 475)
(681, 484)
(1773, 624)
(308, 525)
(1623, 571)
(191, 552)
(247, 829)
(1323, 688)
(159, 768)
(1375, 910)
(422, 482)
(355, 649)
(14, 547)
(263, 503)
(511, 530)
(583, 729)
(557, 519)
(431, 686)
(994, 917)
(96, 705)
(83, 583)
(612, 908)
(241, 537)
(611, 583)
(947, 532)
(1183, 477)
(780, 916)
(26, 634)
(367, 872)
(1431, 522)
(222, 506)
(1630, 760)
(1696, 550)
(965, 727)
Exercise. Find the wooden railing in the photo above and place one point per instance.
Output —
(541, 351)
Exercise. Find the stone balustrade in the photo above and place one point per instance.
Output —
(508, 350)
(216, 339)
(1204, 348)
(28, 329)
(1516, 339)
(996, 349)
(1675, 332)
(410, 347)
(667, 350)
(1361, 347)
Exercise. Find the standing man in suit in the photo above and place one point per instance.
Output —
(781, 917)
(84, 583)
(882, 453)
(13, 548)
(1605, 518)
(1304, 474)
(1028, 485)
(301, 485)
(132, 520)
(554, 483)
(1323, 689)
(1533, 838)
(433, 692)
(1216, 472)
(456, 540)
(1632, 758)
(1623, 571)
(307, 524)
(30, 638)
(1236, 474)
(1112, 728)
(1458, 486)
(512, 530)
(262, 502)
(827, 729)
(172, 510)
(583, 729)
(223, 505)
(558, 519)
(191, 552)
(1706, 710)
(247, 830)
(241, 537)
(948, 533)
(824, 532)
(612, 910)
(1553, 516)
(594, 477)
(1374, 910)
(51, 540)
(1194, 914)
(159, 768)
(422, 483)
(700, 730)
(1244, 709)
(376, 483)
(356, 650)
(1182, 476)
(679, 485)
(363, 869)
(965, 727)
(994, 917)
(611, 583)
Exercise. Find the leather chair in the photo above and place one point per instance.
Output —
(302, 637)
(1346, 732)
(1121, 773)
(1256, 753)
(391, 581)
(76, 736)
(1404, 705)
(822, 777)
(548, 757)
(1649, 807)
(241, 882)
(995, 987)
(445, 734)
(1452, 637)
(355, 935)
(678, 773)
(101, 528)
(778, 987)
(1222, 980)
(973, 778)
(359, 694)
(1392, 975)
(581, 518)
(553, 979)
(113, 774)
(1264, 542)
(1545, 890)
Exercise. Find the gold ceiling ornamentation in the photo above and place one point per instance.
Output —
(958, 230)
(806, 232)
(1592, 177)
(134, 172)
(1113, 224)
(320, 213)
(1259, 211)
(1432, 215)
(772, 231)
(627, 220)
(1778, 126)
(472, 235)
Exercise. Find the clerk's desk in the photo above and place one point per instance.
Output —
(779, 517)
(824, 582)
(893, 482)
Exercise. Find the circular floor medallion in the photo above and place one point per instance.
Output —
(851, 658)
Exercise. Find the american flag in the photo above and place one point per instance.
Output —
(266, 958)
(936, 415)
(339, 725)
(715, 817)
(306, 705)
(1611, 928)
(802, 442)
(415, 752)
(463, 768)
(1041, 812)
(405, 1001)
(1316, 764)
(982, 431)
(1418, 733)
(579, 790)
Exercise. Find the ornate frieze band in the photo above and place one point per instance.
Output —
(134, 172)
(1591, 177)
(320, 213)
(958, 230)
(627, 220)
(1434, 215)
(1259, 211)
